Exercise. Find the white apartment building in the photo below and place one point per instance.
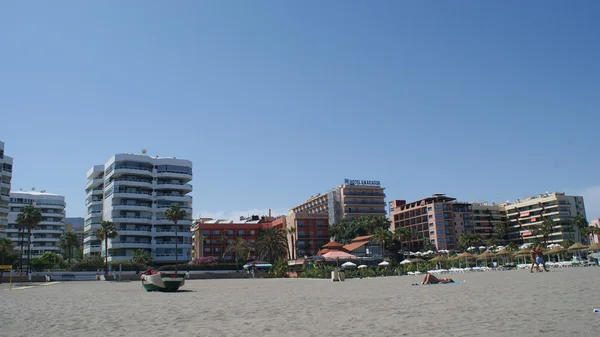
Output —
(6, 163)
(133, 191)
(46, 236)
(523, 215)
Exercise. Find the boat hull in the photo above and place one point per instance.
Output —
(165, 282)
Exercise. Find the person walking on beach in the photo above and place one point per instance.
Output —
(533, 256)
(539, 253)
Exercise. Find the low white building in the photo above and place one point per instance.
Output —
(134, 191)
(46, 236)
(6, 163)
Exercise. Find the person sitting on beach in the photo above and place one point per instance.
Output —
(430, 279)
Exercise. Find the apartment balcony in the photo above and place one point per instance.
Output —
(4, 185)
(4, 209)
(175, 175)
(186, 222)
(51, 222)
(130, 207)
(363, 203)
(170, 197)
(93, 214)
(131, 182)
(94, 183)
(49, 231)
(91, 227)
(162, 208)
(135, 231)
(93, 203)
(127, 244)
(96, 192)
(370, 212)
(91, 249)
(112, 258)
(169, 232)
(38, 239)
(133, 195)
(131, 170)
(53, 214)
(4, 196)
(364, 194)
(173, 186)
(91, 237)
(133, 219)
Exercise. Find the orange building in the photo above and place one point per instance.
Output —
(210, 237)
(312, 232)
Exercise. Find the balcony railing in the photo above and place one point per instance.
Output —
(140, 168)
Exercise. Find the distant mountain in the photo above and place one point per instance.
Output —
(77, 223)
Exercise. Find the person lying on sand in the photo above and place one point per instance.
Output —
(430, 279)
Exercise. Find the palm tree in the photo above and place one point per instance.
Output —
(292, 232)
(468, 239)
(546, 229)
(175, 213)
(383, 236)
(501, 231)
(106, 231)
(29, 218)
(223, 240)
(271, 244)
(580, 223)
(403, 234)
(68, 242)
(238, 247)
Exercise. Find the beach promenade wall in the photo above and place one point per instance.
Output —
(130, 276)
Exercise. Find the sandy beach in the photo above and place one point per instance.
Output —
(509, 303)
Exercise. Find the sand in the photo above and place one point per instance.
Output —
(509, 303)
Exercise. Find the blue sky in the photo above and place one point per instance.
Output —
(275, 101)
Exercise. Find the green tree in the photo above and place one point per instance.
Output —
(68, 242)
(46, 261)
(545, 229)
(580, 223)
(8, 255)
(567, 227)
(372, 222)
(106, 231)
(175, 213)
(467, 240)
(238, 247)
(292, 232)
(271, 244)
(383, 237)
(29, 218)
(403, 234)
(501, 232)
(142, 256)
(492, 242)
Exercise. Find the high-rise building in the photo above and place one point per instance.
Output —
(134, 191)
(525, 215)
(76, 225)
(438, 219)
(46, 236)
(6, 163)
(443, 220)
(349, 201)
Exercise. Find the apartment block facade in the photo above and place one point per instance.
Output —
(312, 232)
(46, 236)
(439, 219)
(211, 237)
(134, 191)
(524, 215)
(442, 220)
(6, 164)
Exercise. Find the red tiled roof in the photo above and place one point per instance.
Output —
(362, 238)
(354, 245)
(333, 244)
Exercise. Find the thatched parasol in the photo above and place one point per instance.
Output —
(466, 255)
(438, 258)
(486, 256)
(577, 246)
(522, 251)
(595, 246)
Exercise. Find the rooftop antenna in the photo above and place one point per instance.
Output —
(144, 151)
(33, 188)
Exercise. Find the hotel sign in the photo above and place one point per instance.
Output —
(351, 182)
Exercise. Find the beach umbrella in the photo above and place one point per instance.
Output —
(362, 266)
(348, 264)
(384, 263)
(406, 261)
(466, 256)
(487, 255)
(595, 246)
(438, 258)
(504, 252)
(577, 247)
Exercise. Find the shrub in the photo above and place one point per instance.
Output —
(187, 267)
(89, 263)
(204, 260)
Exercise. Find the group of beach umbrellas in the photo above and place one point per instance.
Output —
(362, 266)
